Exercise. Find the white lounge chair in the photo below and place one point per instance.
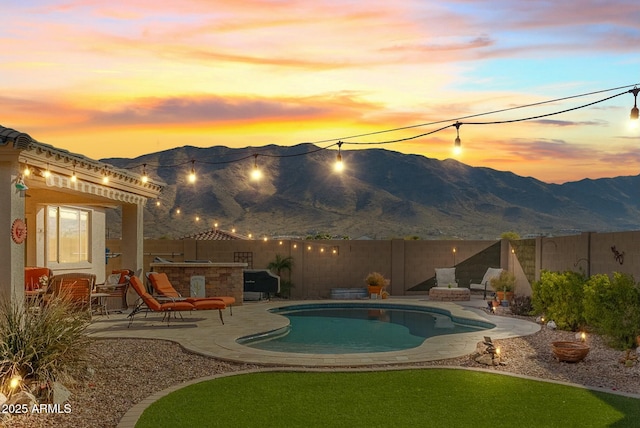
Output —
(485, 283)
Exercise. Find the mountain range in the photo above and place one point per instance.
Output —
(381, 194)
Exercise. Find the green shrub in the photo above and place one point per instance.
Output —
(560, 297)
(612, 307)
(41, 347)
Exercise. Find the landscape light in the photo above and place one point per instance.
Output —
(15, 381)
(192, 174)
(634, 110)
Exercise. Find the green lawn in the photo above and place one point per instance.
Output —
(407, 398)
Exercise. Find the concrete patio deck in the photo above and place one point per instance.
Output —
(201, 332)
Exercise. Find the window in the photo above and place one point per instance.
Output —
(68, 235)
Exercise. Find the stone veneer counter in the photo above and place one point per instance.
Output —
(221, 279)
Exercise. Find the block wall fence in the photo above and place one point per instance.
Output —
(319, 266)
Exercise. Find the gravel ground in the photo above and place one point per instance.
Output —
(129, 372)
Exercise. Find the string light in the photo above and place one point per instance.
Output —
(256, 174)
(457, 145)
(339, 166)
(192, 174)
(74, 178)
(634, 110)
(145, 177)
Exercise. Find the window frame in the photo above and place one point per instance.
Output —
(53, 261)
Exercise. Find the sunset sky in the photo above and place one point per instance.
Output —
(122, 79)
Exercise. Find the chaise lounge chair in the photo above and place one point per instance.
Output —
(486, 281)
(147, 301)
(162, 286)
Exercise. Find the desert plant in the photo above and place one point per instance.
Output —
(505, 282)
(521, 305)
(376, 279)
(612, 307)
(279, 265)
(560, 297)
(41, 347)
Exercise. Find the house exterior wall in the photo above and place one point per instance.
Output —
(36, 242)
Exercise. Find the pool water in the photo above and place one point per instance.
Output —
(357, 329)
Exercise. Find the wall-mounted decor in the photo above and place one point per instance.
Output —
(619, 256)
(18, 231)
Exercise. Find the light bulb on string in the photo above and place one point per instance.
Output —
(634, 111)
(26, 171)
(47, 172)
(74, 178)
(145, 177)
(339, 165)
(192, 174)
(256, 174)
(457, 144)
(105, 177)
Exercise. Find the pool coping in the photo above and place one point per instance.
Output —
(202, 333)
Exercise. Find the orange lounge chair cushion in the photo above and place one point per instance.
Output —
(162, 285)
(203, 304)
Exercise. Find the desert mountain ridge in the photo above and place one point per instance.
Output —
(382, 194)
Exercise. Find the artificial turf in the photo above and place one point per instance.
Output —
(405, 398)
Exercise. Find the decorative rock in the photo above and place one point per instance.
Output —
(60, 394)
(481, 348)
(552, 325)
(22, 397)
(486, 359)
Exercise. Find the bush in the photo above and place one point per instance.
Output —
(41, 347)
(559, 296)
(521, 305)
(612, 307)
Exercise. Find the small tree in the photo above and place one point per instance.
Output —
(560, 297)
(612, 306)
(511, 236)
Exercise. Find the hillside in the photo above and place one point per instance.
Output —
(381, 194)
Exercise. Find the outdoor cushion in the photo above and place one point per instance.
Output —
(446, 277)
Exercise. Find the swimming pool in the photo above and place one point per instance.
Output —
(344, 328)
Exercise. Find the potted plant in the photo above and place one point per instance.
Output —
(375, 283)
(503, 285)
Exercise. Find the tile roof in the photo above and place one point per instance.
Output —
(214, 235)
